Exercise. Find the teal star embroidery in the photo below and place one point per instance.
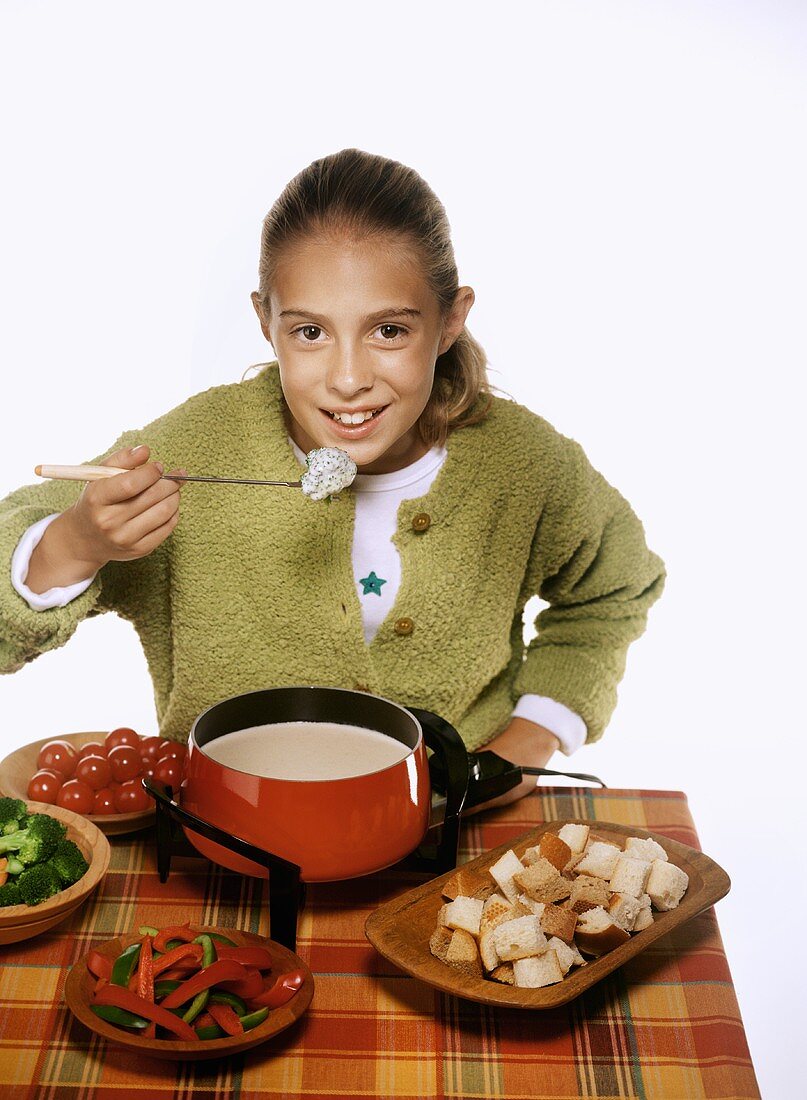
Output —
(371, 583)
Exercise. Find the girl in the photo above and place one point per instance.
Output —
(411, 584)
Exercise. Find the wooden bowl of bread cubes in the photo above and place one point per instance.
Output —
(535, 923)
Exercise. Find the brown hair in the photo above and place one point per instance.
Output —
(365, 195)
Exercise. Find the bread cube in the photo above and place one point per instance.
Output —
(503, 870)
(543, 882)
(440, 939)
(536, 907)
(630, 876)
(575, 836)
(463, 954)
(597, 932)
(535, 972)
(531, 855)
(587, 893)
(666, 884)
(644, 918)
(644, 848)
(464, 913)
(559, 922)
(515, 939)
(599, 860)
(565, 954)
(555, 850)
(624, 910)
(487, 949)
(504, 973)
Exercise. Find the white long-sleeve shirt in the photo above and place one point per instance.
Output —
(376, 571)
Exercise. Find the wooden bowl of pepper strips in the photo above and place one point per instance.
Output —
(189, 992)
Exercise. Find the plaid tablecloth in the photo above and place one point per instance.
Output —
(666, 1025)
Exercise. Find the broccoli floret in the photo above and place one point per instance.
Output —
(68, 862)
(37, 841)
(38, 883)
(12, 812)
(14, 866)
(10, 894)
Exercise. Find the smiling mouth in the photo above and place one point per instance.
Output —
(352, 420)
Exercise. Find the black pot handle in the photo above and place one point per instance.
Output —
(448, 746)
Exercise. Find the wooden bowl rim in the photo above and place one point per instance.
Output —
(93, 844)
(417, 960)
(76, 995)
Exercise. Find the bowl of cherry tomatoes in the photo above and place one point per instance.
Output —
(97, 775)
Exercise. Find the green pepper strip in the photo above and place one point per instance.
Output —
(119, 1016)
(221, 939)
(252, 1019)
(124, 966)
(198, 1003)
(147, 930)
(221, 997)
(163, 988)
(174, 943)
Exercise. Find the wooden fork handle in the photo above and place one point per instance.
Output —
(78, 473)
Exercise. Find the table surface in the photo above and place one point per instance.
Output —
(666, 1025)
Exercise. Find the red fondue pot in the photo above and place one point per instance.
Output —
(333, 829)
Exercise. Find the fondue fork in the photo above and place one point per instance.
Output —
(96, 473)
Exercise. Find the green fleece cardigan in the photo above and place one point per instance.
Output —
(254, 588)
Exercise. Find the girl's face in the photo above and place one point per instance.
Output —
(355, 329)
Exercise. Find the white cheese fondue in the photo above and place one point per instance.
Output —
(306, 751)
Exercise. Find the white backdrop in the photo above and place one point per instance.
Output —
(625, 185)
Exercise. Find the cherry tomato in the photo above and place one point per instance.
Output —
(131, 798)
(124, 762)
(147, 769)
(104, 802)
(149, 747)
(176, 751)
(92, 748)
(77, 796)
(122, 736)
(95, 771)
(43, 786)
(60, 755)
(168, 771)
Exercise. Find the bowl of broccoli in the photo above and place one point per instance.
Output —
(50, 862)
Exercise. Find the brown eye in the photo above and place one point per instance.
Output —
(310, 328)
(397, 332)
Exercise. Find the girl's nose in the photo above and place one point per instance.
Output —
(350, 374)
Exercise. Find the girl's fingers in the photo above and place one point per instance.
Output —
(140, 527)
(160, 534)
(161, 489)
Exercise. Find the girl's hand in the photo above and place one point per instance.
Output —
(522, 742)
(118, 518)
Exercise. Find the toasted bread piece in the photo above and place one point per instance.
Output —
(441, 916)
(463, 954)
(504, 973)
(644, 848)
(495, 910)
(531, 855)
(503, 870)
(440, 939)
(537, 971)
(599, 860)
(555, 850)
(559, 922)
(644, 918)
(566, 957)
(597, 933)
(630, 876)
(666, 884)
(624, 909)
(543, 882)
(464, 913)
(587, 893)
(515, 939)
(576, 836)
(530, 906)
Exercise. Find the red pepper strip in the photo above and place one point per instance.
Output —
(223, 970)
(249, 956)
(100, 966)
(178, 973)
(171, 958)
(99, 984)
(249, 986)
(150, 1032)
(280, 991)
(227, 1020)
(205, 1020)
(145, 971)
(175, 932)
(122, 998)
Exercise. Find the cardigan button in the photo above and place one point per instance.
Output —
(422, 521)
(360, 687)
(404, 626)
